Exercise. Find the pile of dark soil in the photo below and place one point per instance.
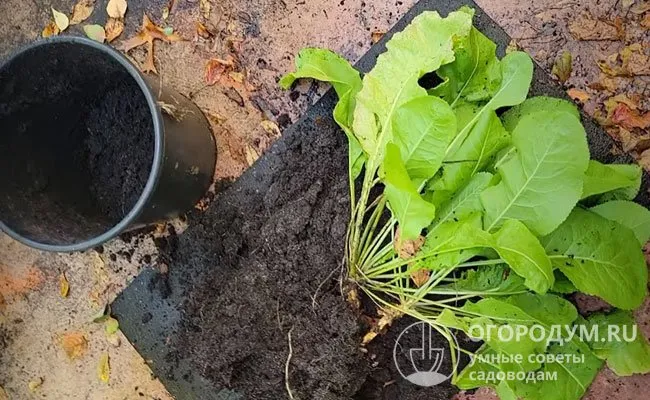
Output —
(118, 148)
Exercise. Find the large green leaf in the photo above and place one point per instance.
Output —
(465, 202)
(625, 348)
(412, 212)
(628, 214)
(489, 280)
(621, 180)
(474, 75)
(422, 129)
(535, 104)
(327, 66)
(517, 73)
(600, 257)
(423, 46)
(548, 309)
(542, 182)
(485, 140)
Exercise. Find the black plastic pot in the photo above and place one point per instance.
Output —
(90, 148)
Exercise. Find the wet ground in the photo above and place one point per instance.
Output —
(262, 37)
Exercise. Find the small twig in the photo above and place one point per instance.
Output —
(286, 366)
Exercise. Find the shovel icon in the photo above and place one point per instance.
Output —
(435, 356)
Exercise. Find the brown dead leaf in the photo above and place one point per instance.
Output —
(629, 118)
(376, 36)
(353, 297)
(74, 344)
(578, 95)
(148, 33)
(116, 8)
(81, 11)
(563, 66)
(622, 98)
(114, 28)
(586, 27)
(407, 248)
(3, 303)
(50, 29)
(644, 160)
(64, 285)
(3, 394)
(512, 46)
(271, 128)
(640, 7)
(420, 277)
(216, 68)
(606, 82)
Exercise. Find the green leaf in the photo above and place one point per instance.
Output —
(327, 66)
(112, 325)
(542, 182)
(626, 350)
(517, 73)
(489, 280)
(423, 46)
(628, 214)
(422, 130)
(562, 284)
(465, 202)
(548, 309)
(535, 104)
(600, 257)
(412, 212)
(572, 381)
(454, 242)
(474, 75)
(623, 179)
(485, 140)
(467, 378)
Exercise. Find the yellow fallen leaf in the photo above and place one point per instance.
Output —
(236, 76)
(114, 340)
(271, 128)
(563, 66)
(104, 368)
(74, 344)
(116, 8)
(376, 36)
(203, 31)
(95, 32)
(148, 33)
(34, 384)
(165, 13)
(64, 285)
(420, 277)
(251, 155)
(61, 20)
(205, 7)
(81, 11)
(114, 28)
(50, 30)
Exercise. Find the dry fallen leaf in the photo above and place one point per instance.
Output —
(95, 32)
(3, 303)
(104, 368)
(420, 277)
(376, 36)
(74, 344)
(203, 31)
(205, 7)
(215, 68)
(34, 384)
(606, 82)
(50, 30)
(578, 95)
(3, 394)
(251, 155)
(114, 28)
(61, 20)
(114, 340)
(644, 160)
(629, 118)
(81, 11)
(148, 33)
(645, 22)
(64, 285)
(116, 8)
(236, 76)
(563, 66)
(271, 128)
(641, 7)
(388, 315)
(512, 46)
(586, 27)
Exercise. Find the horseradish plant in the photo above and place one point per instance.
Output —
(469, 216)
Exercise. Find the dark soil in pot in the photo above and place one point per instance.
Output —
(117, 148)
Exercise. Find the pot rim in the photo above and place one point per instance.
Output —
(156, 167)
